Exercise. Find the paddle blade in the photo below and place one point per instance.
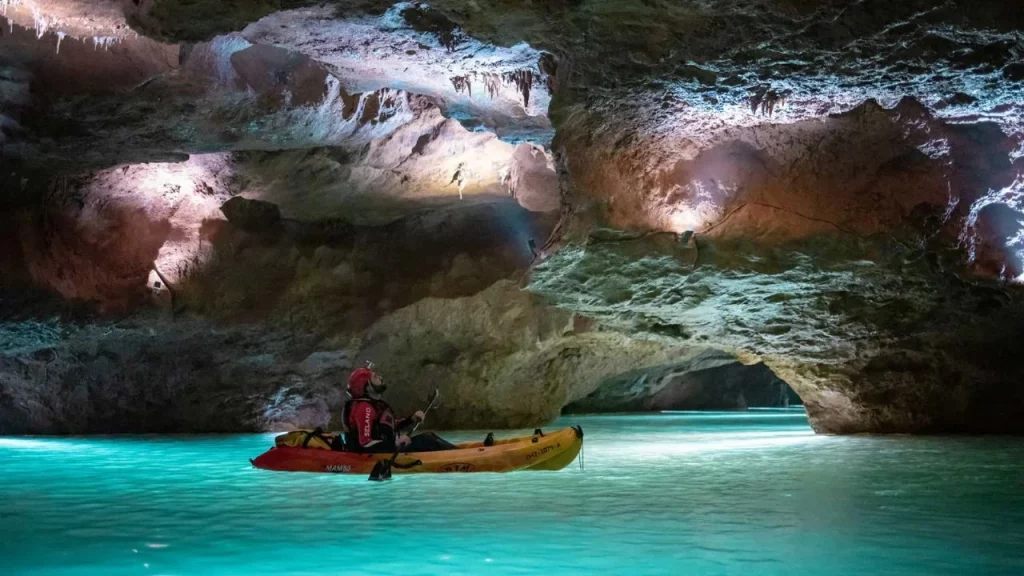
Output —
(381, 471)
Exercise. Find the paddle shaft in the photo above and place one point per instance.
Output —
(425, 412)
(391, 461)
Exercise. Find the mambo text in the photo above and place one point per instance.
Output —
(338, 468)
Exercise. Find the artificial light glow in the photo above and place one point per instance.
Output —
(183, 194)
(164, 179)
(1011, 197)
(681, 221)
(700, 207)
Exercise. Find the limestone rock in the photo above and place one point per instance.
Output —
(713, 380)
(502, 358)
(835, 188)
(252, 215)
(180, 377)
(872, 338)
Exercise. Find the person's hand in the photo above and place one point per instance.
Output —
(403, 440)
(418, 417)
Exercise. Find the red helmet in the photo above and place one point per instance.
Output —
(359, 381)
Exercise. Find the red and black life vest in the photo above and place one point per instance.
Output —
(382, 428)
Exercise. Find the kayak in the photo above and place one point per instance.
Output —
(539, 451)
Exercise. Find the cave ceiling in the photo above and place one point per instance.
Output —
(836, 186)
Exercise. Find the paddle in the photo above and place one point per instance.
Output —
(382, 469)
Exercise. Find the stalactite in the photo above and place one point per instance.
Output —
(463, 84)
(105, 41)
(766, 100)
(523, 80)
(39, 22)
(493, 84)
(5, 3)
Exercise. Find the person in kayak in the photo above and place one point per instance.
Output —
(369, 418)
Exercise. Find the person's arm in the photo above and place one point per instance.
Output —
(406, 423)
(388, 437)
(393, 437)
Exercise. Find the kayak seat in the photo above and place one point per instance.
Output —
(407, 466)
(338, 443)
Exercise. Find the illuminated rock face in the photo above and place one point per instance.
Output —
(204, 223)
(872, 336)
(867, 258)
(258, 90)
(502, 358)
(502, 89)
(711, 380)
(833, 188)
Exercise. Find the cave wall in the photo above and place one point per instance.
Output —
(147, 376)
(711, 380)
(868, 258)
(831, 188)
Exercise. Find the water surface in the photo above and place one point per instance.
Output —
(712, 493)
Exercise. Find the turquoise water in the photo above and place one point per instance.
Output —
(747, 494)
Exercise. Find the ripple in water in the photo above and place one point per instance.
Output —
(685, 493)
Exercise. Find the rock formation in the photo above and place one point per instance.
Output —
(712, 380)
(152, 377)
(502, 357)
(833, 189)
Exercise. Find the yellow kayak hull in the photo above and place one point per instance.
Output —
(551, 451)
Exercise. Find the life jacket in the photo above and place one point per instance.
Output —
(384, 414)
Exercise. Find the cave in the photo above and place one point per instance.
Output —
(212, 213)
